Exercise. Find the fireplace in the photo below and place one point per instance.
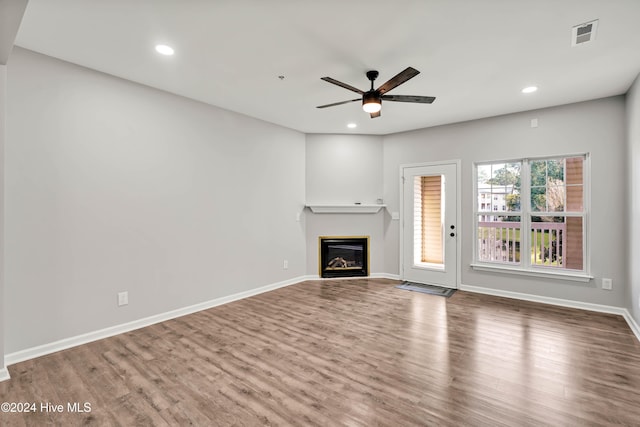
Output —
(343, 256)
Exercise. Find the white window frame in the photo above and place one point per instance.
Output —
(525, 267)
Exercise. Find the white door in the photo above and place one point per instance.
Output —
(430, 224)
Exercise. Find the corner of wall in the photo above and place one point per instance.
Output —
(633, 199)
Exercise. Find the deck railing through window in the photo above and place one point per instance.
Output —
(499, 241)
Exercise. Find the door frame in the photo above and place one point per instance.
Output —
(457, 163)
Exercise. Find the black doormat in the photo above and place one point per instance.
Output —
(427, 289)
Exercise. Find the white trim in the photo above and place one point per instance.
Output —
(549, 274)
(4, 374)
(632, 323)
(459, 226)
(558, 302)
(385, 276)
(63, 344)
(545, 300)
(458, 164)
(525, 213)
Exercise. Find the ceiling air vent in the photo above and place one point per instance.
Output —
(584, 33)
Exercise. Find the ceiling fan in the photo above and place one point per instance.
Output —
(372, 99)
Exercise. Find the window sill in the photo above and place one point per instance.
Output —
(575, 277)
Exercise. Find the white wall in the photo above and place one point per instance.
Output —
(112, 186)
(344, 169)
(3, 301)
(11, 13)
(346, 225)
(596, 127)
(633, 220)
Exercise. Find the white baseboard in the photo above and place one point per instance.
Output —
(559, 302)
(385, 276)
(66, 343)
(632, 324)
(4, 374)
(545, 300)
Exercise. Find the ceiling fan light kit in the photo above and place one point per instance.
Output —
(371, 103)
(372, 99)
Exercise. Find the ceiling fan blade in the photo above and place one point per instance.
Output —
(409, 98)
(400, 78)
(344, 85)
(374, 115)
(339, 103)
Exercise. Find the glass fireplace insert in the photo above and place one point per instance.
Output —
(343, 256)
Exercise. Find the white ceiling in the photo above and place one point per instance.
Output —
(474, 55)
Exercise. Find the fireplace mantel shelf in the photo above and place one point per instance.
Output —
(345, 208)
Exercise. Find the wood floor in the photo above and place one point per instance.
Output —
(355, 353)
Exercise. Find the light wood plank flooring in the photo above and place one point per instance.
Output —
(357, 353)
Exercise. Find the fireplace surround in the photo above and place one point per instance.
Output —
(343, 256)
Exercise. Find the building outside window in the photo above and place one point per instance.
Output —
(547, 197)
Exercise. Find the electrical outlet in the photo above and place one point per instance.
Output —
(123, 298)
(607, 284)
(285, 264)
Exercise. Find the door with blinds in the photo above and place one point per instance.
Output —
(430, 224)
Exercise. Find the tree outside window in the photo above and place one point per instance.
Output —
(554, 213)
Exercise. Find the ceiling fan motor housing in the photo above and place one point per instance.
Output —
(371, 97)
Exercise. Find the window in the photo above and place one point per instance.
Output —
(428, 221)
(541, 227)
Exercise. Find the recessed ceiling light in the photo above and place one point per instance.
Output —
(352, 125)
(164, 49)
(530, 89)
